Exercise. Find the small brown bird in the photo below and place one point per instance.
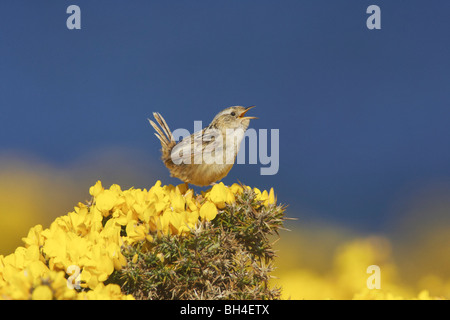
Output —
(208, 155)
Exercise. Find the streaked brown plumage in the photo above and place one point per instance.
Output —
(205, 156)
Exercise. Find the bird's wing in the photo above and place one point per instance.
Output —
(184, 151)
(191, 149)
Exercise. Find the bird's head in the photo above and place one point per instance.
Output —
(232, 118)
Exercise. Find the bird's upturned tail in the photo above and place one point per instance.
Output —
(164, 135)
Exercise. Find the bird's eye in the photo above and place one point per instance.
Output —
(233, 113)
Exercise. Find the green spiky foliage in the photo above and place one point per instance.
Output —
(230, 257)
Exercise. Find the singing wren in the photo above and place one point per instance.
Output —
(206, 156)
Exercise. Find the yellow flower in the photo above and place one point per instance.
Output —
(106, 200)
(34, 236)
(36, 269)
(272, 199)
(160, 256)
(267, 198)
(97, 267)
(96, 189)
(177, 200)
(236, 189)
(91, 237)
(42, 293)
(135, 231)
(36, 282)
(191, 218)
(208, 211)
(220, 195)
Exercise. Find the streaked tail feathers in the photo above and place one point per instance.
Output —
(164, 135)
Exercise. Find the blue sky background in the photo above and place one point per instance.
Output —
(363, 114)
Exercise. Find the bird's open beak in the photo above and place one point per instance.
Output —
(241, 116)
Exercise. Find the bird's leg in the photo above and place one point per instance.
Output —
(186, 185)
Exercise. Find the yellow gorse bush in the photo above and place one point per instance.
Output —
(83, 248)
